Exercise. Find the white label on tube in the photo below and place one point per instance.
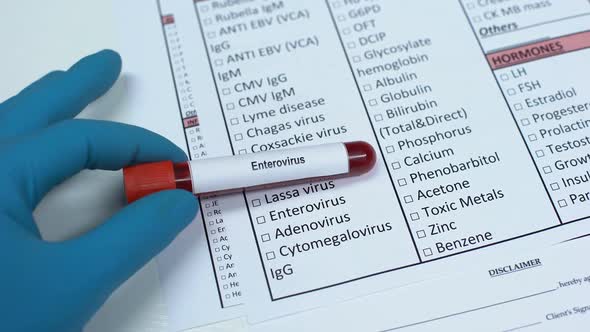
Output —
(248, 170)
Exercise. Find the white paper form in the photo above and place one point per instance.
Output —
(541, 290)
(464, 174)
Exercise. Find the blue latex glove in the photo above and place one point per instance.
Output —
(58, 286)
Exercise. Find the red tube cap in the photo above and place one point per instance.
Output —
(142, 180)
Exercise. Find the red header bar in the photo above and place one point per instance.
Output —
(191, 122)
(539, 50)
(167, 19)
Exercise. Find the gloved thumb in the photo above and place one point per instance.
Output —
(114, 251)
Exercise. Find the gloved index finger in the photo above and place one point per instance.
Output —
(59, 95)
(64, 149)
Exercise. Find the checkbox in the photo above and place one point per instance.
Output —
(351, 45)
(341, 18)
(256, 202)
(260, 220)
(532, 137)
(213, 231)
(346, 31)
(562, 203)
(211, 223)
(396, 165)
(408, 199)
(242, 151)
(207, 205)
(402, 182)
(209, 214)
(225, 287)
(372, 102)
(227, 296)
(511, 92)
(230, 106)
(540, 153)
(504, 77)
(207, 21)
(427, 252)
(215, 240)
(211, 34)
(265, 237)
(356, 59)
(234, 121)
(414, 216)
(367, 87)
(517, 106)
(378, 117)
(547, 170)
(221, 268)
(270, 255)
(204, 8)
(336, 4)
(421, 234)
(218, 62)
(225, 91)
(525, 122)
(390, 149)
(554, 186)
(217, 250)
(238, 137)
(219, 259)
(476, 19)
(223, 277)
(470, 5)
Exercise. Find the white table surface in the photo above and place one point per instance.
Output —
(40, 36)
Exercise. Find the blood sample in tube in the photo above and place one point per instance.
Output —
(262, 170)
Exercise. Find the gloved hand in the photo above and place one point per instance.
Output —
(58, 286)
